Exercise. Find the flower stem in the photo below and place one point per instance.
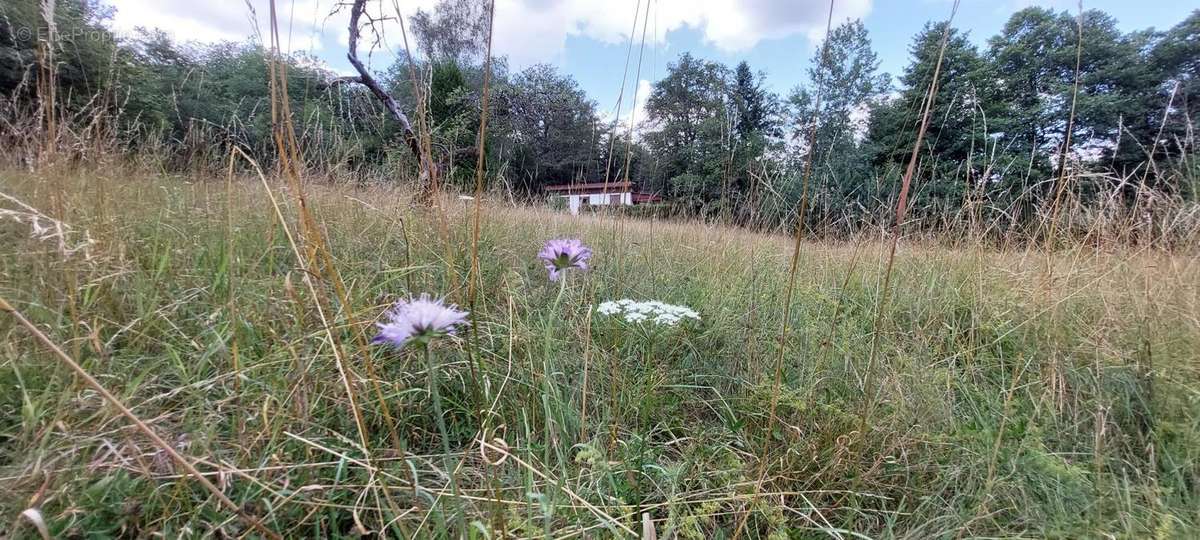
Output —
(562, 289)
(436, 396)
(554, 423)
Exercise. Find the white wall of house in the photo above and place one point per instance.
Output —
(575, 202)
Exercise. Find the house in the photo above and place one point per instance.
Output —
(619, 193)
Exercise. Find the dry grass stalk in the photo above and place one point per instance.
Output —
(787, 295)
(137, 422)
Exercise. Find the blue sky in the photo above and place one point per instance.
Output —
(890, 23)
(588, 39)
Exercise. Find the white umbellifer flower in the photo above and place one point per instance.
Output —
(608, 308)
(650, 310)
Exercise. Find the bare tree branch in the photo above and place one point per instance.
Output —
(366, 79)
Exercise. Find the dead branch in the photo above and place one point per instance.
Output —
(366, 79)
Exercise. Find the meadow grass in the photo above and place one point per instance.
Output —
(1014, 393)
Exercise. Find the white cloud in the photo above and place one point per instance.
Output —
(860, 115)
(527, 31)
(303, 24)
(183, 21)
(535, 30)
(638, 114)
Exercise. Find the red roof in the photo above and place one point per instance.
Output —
(598, 187)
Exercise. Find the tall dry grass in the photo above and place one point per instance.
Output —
(950, 379)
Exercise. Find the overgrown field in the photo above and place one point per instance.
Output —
(1000, 394)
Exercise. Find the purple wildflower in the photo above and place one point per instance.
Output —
(562, 254)
(420, 319)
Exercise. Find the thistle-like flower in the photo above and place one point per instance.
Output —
(421, 320)
(562, 254)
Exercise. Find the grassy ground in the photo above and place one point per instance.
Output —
(1012, 395)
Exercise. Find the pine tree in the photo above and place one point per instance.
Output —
(958, 127)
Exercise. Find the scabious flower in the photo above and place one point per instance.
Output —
(651, 310)
(421, 319)
(562, 254)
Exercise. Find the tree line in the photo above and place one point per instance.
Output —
(715, 140)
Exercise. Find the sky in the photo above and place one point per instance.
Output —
(590, 39)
